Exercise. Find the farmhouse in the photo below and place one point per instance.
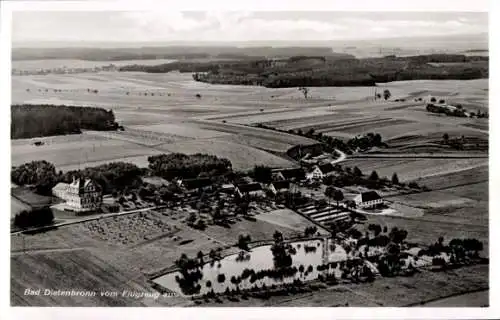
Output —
(318, 172)
(195, 184)
(297, 174)
(80, 195)
(279, 186)
(368, 199)
(227, 188)
(250, 189)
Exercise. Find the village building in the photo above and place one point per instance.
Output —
(318, 172)
(195, 184)
(228, 188)
(368, 199)
(79, 195)
(250, 189)
(297, 174)
(279, 186)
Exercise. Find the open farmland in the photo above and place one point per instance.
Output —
(166, 113)
(414, 169)
(78, 153)
(82, 271)
(242, 157)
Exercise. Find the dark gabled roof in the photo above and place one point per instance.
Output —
(279, 185)
(370, 196)
(249, 187)
(191, 184)
(298, 173)
(326, 168)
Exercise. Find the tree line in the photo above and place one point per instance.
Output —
(178, 165)
(337, 71)
(29, 121)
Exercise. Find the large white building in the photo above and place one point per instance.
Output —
(80, 195)
(368, 199)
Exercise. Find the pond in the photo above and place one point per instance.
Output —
(261, 258)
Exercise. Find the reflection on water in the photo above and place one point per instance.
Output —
(261, 258)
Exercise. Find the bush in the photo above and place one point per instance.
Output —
(34, 218)
(221, 278)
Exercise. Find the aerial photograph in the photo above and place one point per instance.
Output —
(249, 159)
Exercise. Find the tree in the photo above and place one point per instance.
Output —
(221, 278)
(441, 101)
(243, 241)
(374, 176)
(395, 178)
(200, 257)
(398, 235)
(376, 228)
(357, 172)
(34, 218)
(338, 196)
(262, 174)
(446, 138)
(387, 94)
(330, 192)
(433, 99)
(305, 91)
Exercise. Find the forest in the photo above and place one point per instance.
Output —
(318, 71)
(29, 121)
(178, 165)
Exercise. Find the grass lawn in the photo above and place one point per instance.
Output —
(30, 198)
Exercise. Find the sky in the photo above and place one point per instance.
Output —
(157, 26)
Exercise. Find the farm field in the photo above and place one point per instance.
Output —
(74, 63)
(242, 157)
(78, 153)
(82, 272)
(408, 169)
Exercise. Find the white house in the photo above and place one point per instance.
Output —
(368, 199)
(80, 195)
(318, 172)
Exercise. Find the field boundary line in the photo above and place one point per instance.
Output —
(447, 296)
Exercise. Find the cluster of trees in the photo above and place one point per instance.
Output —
(282, 252)
(329, 143)
(261, 173)
(178, 165)
(340, 71)
(457, 111)
(111, 177)
(455, 143)
(335, 194)
(41, 174)
(34, 218)
(190, 270)
(243, 241)
(30, 121)
(460, 250)
(310, 231)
